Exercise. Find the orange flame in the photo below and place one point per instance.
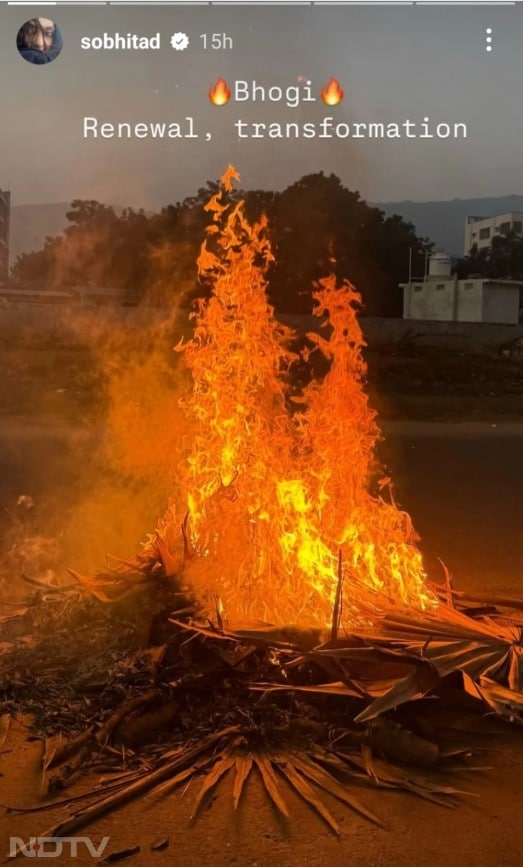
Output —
(332, 94)
(220, 93)
(270, 497)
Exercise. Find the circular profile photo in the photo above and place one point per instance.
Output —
(39, 40)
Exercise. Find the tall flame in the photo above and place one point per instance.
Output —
(271, 496)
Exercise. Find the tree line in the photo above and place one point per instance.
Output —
(502, 260)
(316, 226)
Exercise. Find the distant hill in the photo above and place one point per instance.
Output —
(443, 222)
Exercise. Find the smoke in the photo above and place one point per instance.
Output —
(99, 462)
(140, 438)
(103, 491)
(100, 477)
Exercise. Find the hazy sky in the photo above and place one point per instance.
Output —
(394, 63)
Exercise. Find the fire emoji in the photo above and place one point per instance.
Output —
(220, 93)
(332, 93)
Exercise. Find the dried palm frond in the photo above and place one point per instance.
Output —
(429, 646)
(270, 781)
(307, 715)
(243, 766)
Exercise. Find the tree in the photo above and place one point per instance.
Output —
(502, 260)
(81, 256)
(316, 227)
(319, 226)
(35, 269)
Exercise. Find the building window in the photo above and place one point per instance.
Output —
(469, 285)
(418, 288)
(504, 228)
(440, 286)
(484, 234)
(517, 227)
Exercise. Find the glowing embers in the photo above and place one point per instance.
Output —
(271, 496)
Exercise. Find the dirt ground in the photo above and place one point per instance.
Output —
(485, 831)
(44, 379)
(407, 381)
(462, 482)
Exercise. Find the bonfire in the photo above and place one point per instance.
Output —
(281, 615)
(274, 495)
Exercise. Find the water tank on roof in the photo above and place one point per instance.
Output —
(439, 265)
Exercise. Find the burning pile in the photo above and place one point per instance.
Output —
(277, 515)
(275, 491)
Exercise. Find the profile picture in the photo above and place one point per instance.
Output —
(39, 40)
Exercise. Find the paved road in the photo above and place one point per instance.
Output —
(462, 484)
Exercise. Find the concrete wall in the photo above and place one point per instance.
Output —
(433, 300)
(41, 322)
(420, 302)
(444, 300)
(470, 301)
(461, 301)
(500, 304)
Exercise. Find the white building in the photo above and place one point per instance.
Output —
(481, 230)
(443, 297)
